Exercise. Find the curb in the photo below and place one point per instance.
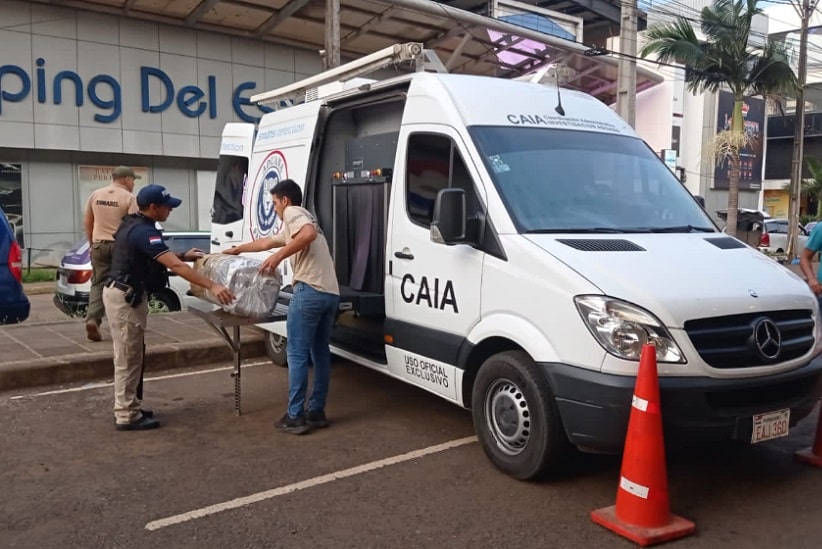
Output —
(38, 290)
(95, 366)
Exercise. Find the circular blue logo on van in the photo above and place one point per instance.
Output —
(266, 214)
(271, 172)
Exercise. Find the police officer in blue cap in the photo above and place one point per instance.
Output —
(139, 265)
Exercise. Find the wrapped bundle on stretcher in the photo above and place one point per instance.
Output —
(255, 294)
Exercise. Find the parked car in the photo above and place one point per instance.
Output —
(763, 232)
(74, 277)
(775, 237)
(14, 305)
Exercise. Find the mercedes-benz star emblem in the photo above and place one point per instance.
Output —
(768, 338)
(753, 293)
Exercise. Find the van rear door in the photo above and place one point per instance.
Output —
(230, 186)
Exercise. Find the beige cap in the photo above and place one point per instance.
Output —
(121, 172)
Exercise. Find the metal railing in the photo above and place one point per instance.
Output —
(28, 256)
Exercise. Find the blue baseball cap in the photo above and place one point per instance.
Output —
(156, 194)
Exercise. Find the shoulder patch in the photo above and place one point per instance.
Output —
(155, 240)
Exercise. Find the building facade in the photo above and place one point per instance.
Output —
(81, 93)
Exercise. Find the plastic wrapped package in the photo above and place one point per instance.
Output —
(255, 294)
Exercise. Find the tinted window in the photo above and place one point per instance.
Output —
(180, 244)
(560, 180)
(778, 227)
(434, 163)
(232, 174)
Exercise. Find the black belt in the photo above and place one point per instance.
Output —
(119, 285)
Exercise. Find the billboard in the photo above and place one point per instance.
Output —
(751, 158)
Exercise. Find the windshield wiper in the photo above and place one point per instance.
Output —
(682, 229)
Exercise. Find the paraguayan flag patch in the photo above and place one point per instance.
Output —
(155, 240)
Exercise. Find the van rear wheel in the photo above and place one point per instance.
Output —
(275, 349)
(163, 301)
(516, 419)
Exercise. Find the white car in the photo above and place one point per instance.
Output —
(765, 233)
(775, 237)
(74, 277)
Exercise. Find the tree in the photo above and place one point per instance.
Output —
(724, 59)
(813, 187)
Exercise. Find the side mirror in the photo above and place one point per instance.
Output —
(700, 200)
(449, 223)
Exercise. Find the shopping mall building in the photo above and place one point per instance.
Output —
(82, 92)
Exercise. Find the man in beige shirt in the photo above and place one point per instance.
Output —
(105, 208)
(312, 309)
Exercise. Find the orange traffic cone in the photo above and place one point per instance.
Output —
(813, 455)
(642, 511)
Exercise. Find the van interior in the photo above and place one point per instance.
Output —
(349, 195)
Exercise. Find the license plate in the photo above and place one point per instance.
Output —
(771, 425)
(63, 285)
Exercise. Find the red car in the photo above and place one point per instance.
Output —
(14, 305)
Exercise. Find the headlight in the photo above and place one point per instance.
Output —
(622, 329)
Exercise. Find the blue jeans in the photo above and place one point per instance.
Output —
(309, 322)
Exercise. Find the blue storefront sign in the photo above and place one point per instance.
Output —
(105, 92)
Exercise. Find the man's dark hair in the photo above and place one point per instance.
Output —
(288, 188)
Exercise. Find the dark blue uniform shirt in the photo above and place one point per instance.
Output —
(137, 244)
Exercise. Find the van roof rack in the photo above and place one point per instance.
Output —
(398, 53)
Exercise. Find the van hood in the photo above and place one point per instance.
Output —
(680, 277)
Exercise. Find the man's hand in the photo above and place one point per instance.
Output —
(234, 250)
(222, 293)
(816, 287)
(193, 254)
(270, 264)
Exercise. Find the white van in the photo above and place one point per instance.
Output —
(513, 260)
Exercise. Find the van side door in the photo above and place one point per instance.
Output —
(432, 290)
(229, 188)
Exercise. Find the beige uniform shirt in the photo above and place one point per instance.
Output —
(108, 205)
(313, 265)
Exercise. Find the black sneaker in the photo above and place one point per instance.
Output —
(142, 424)
(316, 419)
(293, 425)
(146, 413)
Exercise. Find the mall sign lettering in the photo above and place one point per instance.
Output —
(105, 92)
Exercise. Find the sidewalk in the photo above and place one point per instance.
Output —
(39, 288)
(47, 353)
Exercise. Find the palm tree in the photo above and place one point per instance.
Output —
(813, 187)
(724, 59)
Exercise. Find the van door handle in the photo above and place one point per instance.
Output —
(229, 234)
(215, 241)
(403, 255)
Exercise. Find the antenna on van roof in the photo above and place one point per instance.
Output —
(543, 75)
(558, 108)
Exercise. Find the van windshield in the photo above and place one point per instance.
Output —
(573, 181)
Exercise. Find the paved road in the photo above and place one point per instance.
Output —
(69, 480)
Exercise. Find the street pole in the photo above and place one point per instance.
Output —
(332, 34)
(799, 132)
(626, 78)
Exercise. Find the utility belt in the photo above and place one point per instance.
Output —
(131, 295)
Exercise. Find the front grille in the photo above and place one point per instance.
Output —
(729, 341)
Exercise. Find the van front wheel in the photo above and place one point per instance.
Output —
(275, 349)
(516, 419)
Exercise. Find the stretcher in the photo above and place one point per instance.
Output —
(228, 326)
